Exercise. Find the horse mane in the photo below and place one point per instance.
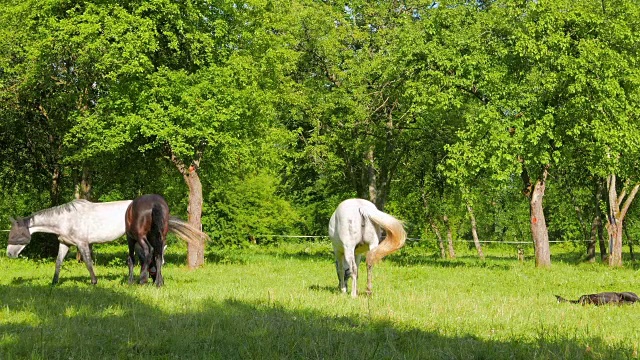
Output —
(71, 206)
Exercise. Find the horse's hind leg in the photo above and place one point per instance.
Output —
(353, 267)
(62, 253)
(158, 257)
(86, 256)
(340, 271)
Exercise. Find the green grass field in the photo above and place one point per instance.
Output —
(282, 303)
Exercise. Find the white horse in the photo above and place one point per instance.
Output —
(355, 228)
(80, 223)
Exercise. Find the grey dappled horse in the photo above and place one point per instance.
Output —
(77, 223)
(355, 229)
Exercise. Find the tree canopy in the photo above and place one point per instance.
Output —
(257, 118)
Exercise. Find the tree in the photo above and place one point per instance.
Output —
(556, 85)
(358, 91)
(204, 90)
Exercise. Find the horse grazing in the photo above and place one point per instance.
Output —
(77, 223)
(147, 221)
(80, 223)
(355, 229)
(147, 225)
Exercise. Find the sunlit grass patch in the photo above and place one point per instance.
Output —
(283, 302)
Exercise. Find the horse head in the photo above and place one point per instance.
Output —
(19, 237)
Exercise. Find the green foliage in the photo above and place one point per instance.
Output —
(249, 211)
(301, 104)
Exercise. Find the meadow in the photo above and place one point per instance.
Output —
(281, 302)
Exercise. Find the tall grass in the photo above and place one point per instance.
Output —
(282, 303)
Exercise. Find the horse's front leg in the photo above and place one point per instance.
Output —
(146, 260)
(131, 259)
(370, 263)
(369, 278)
(63, 249)
(86, 256)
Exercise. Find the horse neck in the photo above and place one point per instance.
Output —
(42, 222)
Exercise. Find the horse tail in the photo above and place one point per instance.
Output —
(185, 231)
(157, 220)
(394, 228)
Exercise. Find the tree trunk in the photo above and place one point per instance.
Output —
(474, 232)
(439, 237)
(371, 178)
(452, 253)
(596, 226)
(591, 244)
(83, 191)
(633, 256)
(55, 185)
(615, 218)
(83, 187)
(604, 255)
(538, 222)
(195, 250)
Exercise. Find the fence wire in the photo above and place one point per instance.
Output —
(435, 240)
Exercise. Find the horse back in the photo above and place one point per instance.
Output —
(143, 212)
(88, 221)
(348, 227)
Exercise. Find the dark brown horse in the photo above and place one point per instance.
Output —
(147, 224)
(604, 298)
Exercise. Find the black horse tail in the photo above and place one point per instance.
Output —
(157, 220)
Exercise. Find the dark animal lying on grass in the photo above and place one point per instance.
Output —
(604, 298)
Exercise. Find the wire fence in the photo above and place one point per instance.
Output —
(434, 240)
(421, 239)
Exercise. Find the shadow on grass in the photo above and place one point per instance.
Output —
(171, 257)
(299, 254)
(410, 258)
(77, 279)
(95, 322)
(325, 288)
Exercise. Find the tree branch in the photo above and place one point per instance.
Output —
(627, 203)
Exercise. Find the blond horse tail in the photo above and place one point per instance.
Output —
(185, 231)
(394, 228)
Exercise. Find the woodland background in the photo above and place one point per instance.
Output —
(495, 120)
